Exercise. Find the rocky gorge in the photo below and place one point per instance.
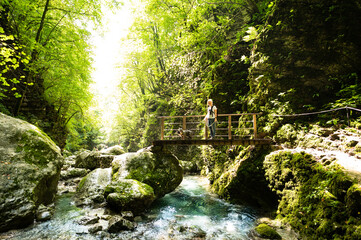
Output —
(122, 184)
(305, 185)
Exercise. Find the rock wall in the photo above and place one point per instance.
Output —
(321, 202)
(29, 173)
(238, 175)
(308, 52)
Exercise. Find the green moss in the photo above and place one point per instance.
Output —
(286, 134)
(81, 183)
(313, 197)
(266, 231)
(239, 176)
(127, 194)
(353, 200)
(36, 147)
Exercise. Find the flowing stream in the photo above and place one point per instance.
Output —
(190, 212)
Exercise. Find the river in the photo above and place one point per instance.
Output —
(190, 212)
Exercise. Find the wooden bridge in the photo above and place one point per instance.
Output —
(231, 129)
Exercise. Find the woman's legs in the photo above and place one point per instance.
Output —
(212, 127)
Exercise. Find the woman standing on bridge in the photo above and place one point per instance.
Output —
(211, 117)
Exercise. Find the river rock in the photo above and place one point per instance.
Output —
(73, 173)
(115, 150)
(129, 195)
(92, 160)
(87, 220)
(127, 215)
(265, 231)
(96, 228)
(117, 224)
(69, 162)
(91, 188)
(353, 200)
(30, 164)
(159, 169)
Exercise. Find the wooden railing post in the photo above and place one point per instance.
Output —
(255, 125)
(229, 127)
(205, 129)
(184, 125)
(162, 129)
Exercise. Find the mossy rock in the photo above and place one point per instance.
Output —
(353, 200)
(241, 178)
(159, 169)
(358, 147)
(286, 134)
(92, 160)
(129, 195)
(114, 150)
(317, 204)
(267, 232)
(90, 190)
(30, 164)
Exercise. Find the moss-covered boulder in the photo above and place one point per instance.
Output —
(30, 164)
(129, 195)
(73, 173)
(286, 134)
(92, 160)
(90, 190)
(114, 150)
(159, 169)
(239, 178)
(265, 231)
(318, 201)
(353, 200)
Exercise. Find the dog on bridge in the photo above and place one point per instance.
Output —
(187, 134)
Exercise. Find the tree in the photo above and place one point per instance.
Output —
(55, 76)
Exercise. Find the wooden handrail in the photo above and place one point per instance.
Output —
(184, 123)
(219, 115)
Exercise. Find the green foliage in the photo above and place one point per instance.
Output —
(11, 57)
(83, 135)
(45, 46)
(184, 52)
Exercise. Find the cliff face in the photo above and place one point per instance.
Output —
(310, 50)
(238, 175)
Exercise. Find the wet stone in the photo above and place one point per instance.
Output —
(117, 224)
(88, 220)
(95, 229)
(352, 143)
(44, 216)
(334, 137)
(127, 215)
(44, 213)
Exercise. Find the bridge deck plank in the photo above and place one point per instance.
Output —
(213, 142)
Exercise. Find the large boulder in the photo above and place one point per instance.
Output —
(114, 150)
(92, 160)
(129, 195)
(30, 164)
(91, 188)
(158, 169)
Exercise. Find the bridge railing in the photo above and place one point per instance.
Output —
(230, 126)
